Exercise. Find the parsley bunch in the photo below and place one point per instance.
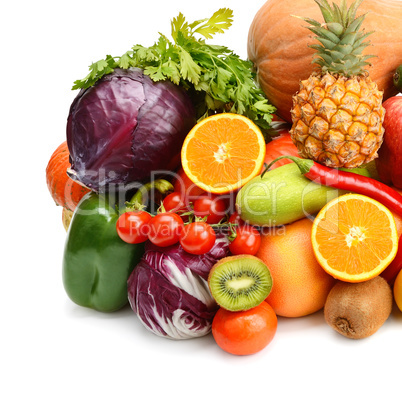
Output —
(217, 79)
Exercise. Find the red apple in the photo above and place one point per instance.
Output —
(389, 161)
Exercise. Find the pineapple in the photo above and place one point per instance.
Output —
(337, 114)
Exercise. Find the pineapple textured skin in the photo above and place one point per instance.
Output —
(337, 120)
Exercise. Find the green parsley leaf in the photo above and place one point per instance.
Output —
(155, 73)
(215, 77)
(97, 71)
(125, 61)
(178, 24)
(189, 69)
(220, 20)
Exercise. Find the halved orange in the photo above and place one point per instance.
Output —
(223, 152)
(354, 238)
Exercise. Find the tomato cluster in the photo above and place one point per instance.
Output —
(191, 224)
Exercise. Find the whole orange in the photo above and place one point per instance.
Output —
(245, 332)
(300, 286)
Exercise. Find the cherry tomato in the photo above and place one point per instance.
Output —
(132, 227)
(211, 206)
(165, 229)
(173, 202)
(245, 332)
(197, 238)
(235, 218)
(247, 241)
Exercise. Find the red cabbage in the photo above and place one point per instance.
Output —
(125, 127)
(168, 290)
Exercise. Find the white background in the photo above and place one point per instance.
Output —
(53, 350)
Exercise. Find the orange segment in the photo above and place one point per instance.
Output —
(354, 238)
(223, 152)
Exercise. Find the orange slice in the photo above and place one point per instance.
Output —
(223, 152)
(354, 238)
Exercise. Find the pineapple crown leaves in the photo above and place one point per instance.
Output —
(341, 39)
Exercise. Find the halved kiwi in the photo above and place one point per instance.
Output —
(240, 282)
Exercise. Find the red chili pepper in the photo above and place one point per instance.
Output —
(348, 181)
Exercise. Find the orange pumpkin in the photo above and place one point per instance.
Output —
(278, 46)
(65, 191)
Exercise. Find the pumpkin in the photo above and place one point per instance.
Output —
(278, 46)
(65, 191)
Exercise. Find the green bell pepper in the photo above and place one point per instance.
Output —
(96, 262)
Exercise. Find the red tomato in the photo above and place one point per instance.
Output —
(245, 332)
(165, 229)
(132, 227)
(277, 118)
(211, 206)
(280, 146)
(247, 241)
(173, 202)
(197, 238)
(236, 219)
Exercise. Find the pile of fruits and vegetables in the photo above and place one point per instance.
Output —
(213, 194)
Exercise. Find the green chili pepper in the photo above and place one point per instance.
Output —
(96, 262)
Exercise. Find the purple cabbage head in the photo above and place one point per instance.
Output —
(168, 290)
(125, 127)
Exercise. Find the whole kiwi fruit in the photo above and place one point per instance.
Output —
(358, 310)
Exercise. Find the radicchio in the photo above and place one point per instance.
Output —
(168, 290)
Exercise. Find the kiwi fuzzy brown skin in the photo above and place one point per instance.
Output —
(236, 305)
(358, 310)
